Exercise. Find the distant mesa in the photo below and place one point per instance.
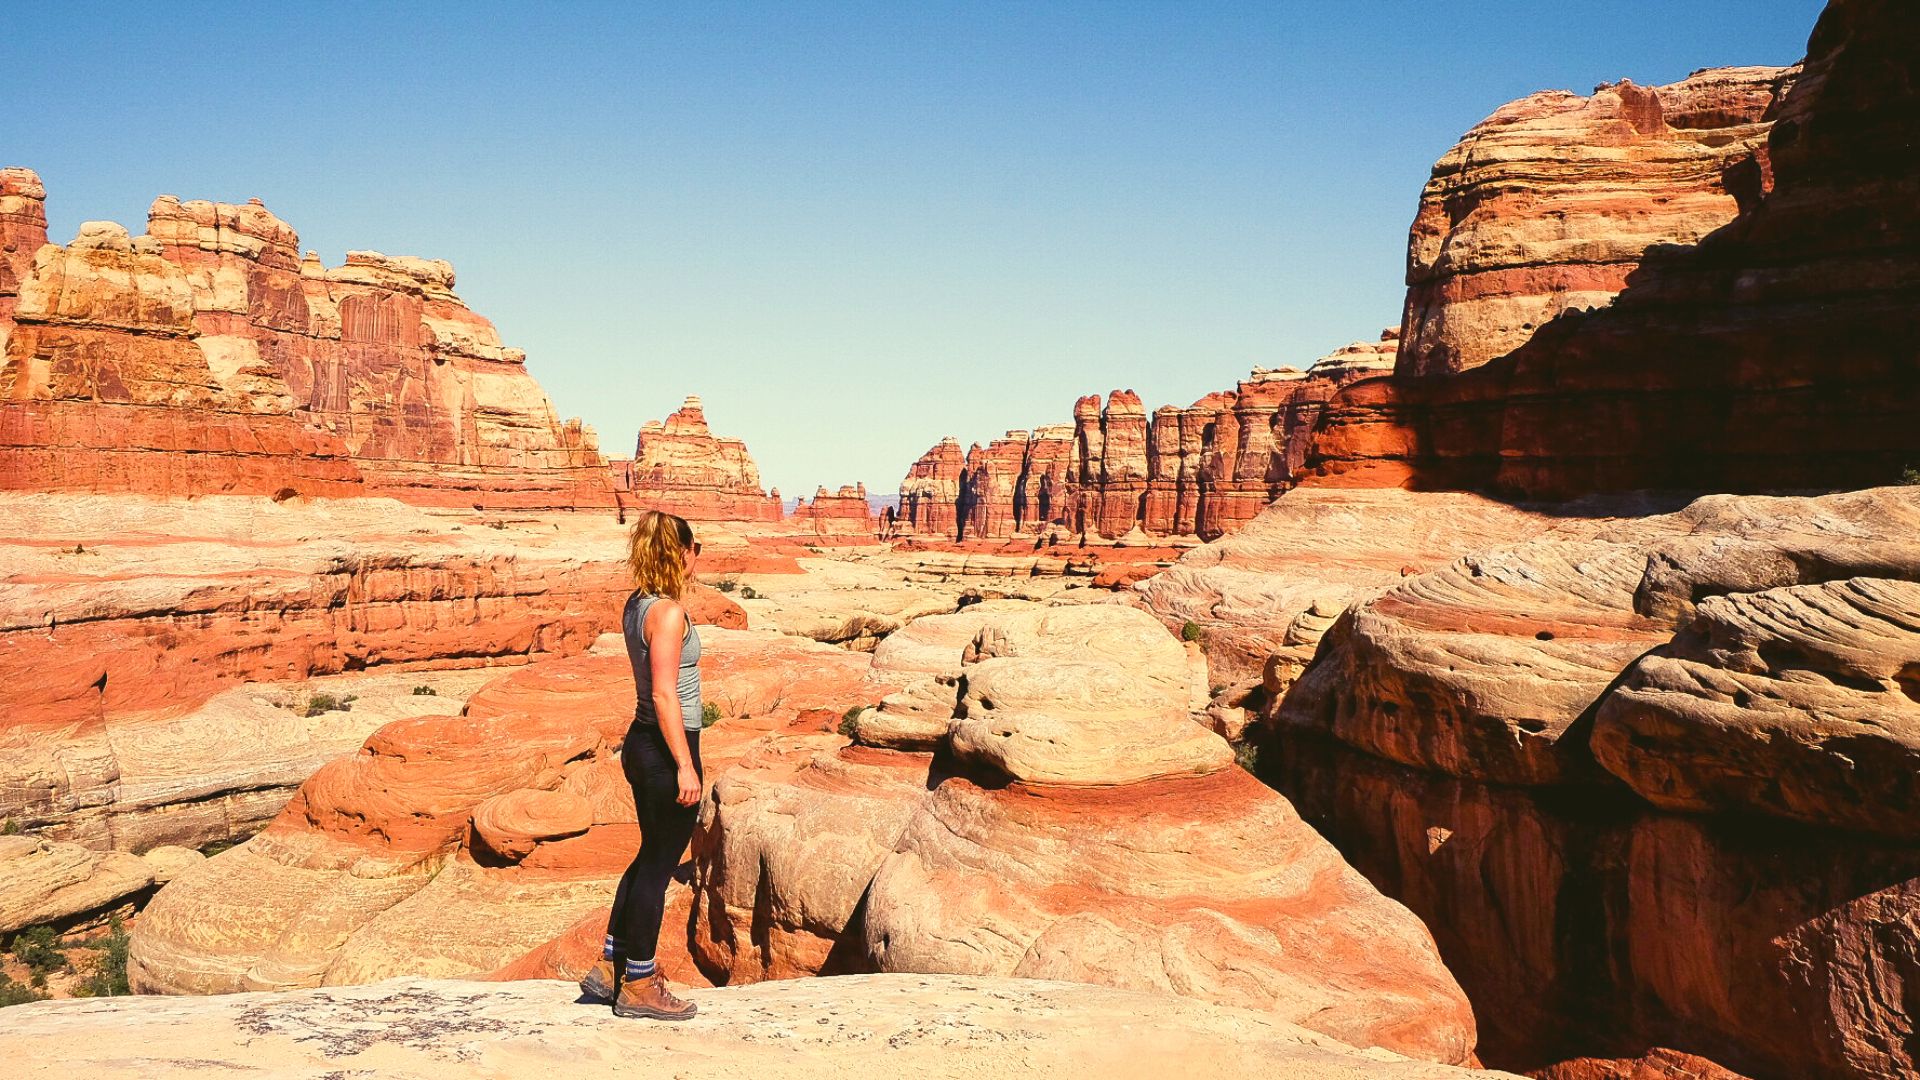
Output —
(681, 466)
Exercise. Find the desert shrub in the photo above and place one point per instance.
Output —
(747, 592)
(1247, 756)
(726, 584)
(107, 974)
(425, 691)
(323, 702)
(1192, 631)
(38, 947)
(849, 719)
(9, 827)
(709, 714)
(13, 993)
(1910, 476)
(219, 846)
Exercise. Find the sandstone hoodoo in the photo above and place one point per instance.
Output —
(679, 465)
(208, 356)
(1117, 472)
(836, 517)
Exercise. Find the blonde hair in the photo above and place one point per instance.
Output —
(657, 553)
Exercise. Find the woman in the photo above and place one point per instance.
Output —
(661, 757)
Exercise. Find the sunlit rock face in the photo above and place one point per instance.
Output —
(207, 356)
(679, 465)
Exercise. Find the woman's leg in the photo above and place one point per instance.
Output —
(665, 828)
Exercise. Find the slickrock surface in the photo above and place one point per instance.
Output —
(121, 617)
(47, 881)
(1548, 205)
(1774, 354)
(1075, 824)
(208, 356)
(1263, 597)
(922, 1025)
(680, 466)
(452, 845)
(1651, 788)
(1116, 474)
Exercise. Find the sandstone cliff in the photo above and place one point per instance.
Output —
(208, 356)
(1774, 353)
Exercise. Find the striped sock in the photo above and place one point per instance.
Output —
(609, 948)
(639, 969)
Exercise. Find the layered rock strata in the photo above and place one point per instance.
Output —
(1514, 231)
(836, 517)
(1652, 787)
(1116, 472)
(1073, 823)
(681, 466)
(1772, 354)
(209, 356)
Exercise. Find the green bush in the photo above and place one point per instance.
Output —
(709, 714)
(1910, 476)
(38, 947)
(1247, 756)
(12, 993)
(747, 592)
(107, 976)
(1192, 631)
(425, 691)
(9, 827)
(849, 718)
(726, 584)
(323, 702)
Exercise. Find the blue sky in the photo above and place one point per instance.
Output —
(852, 228)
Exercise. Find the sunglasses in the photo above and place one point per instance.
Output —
(696, 547)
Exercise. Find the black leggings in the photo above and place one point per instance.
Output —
(665, 828)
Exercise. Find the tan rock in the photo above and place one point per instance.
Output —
(45, 881)
(935, 1026)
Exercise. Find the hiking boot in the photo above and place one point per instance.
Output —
(600, 983)
(650, 998)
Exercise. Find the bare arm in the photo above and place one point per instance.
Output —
(666, 632)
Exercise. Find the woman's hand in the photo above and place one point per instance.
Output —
(689, 786)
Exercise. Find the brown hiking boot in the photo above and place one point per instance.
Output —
(600, 983)
(650, 998)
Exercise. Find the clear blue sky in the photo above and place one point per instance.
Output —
(852, 228)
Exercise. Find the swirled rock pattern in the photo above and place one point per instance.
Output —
(1093, 831)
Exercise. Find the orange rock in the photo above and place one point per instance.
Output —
(680, 466)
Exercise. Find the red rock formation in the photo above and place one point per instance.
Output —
(1651, 788)
(1514, 231)
(1773, 354)
(208, 357)
(930, 494)
(682, 467)
(841, 517)
(1204, 469)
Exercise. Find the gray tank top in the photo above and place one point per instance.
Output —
(632, 621)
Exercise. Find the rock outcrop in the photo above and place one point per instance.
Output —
(682, 467)
(1116, 473)
(1514, 230)
(1651, 787)
(208, 356)
(1075, 823)
(926, 1025)
(451, 845)
(1772, 354)
(836, 518)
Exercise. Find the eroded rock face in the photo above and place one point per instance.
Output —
(1770, 355)
(208, 356)
(1513, 230)
(1093, 831)
(1117, 473)
(910, 1025)
(1633, 780)
(680, 466)
(836, 517)
(454, 845)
